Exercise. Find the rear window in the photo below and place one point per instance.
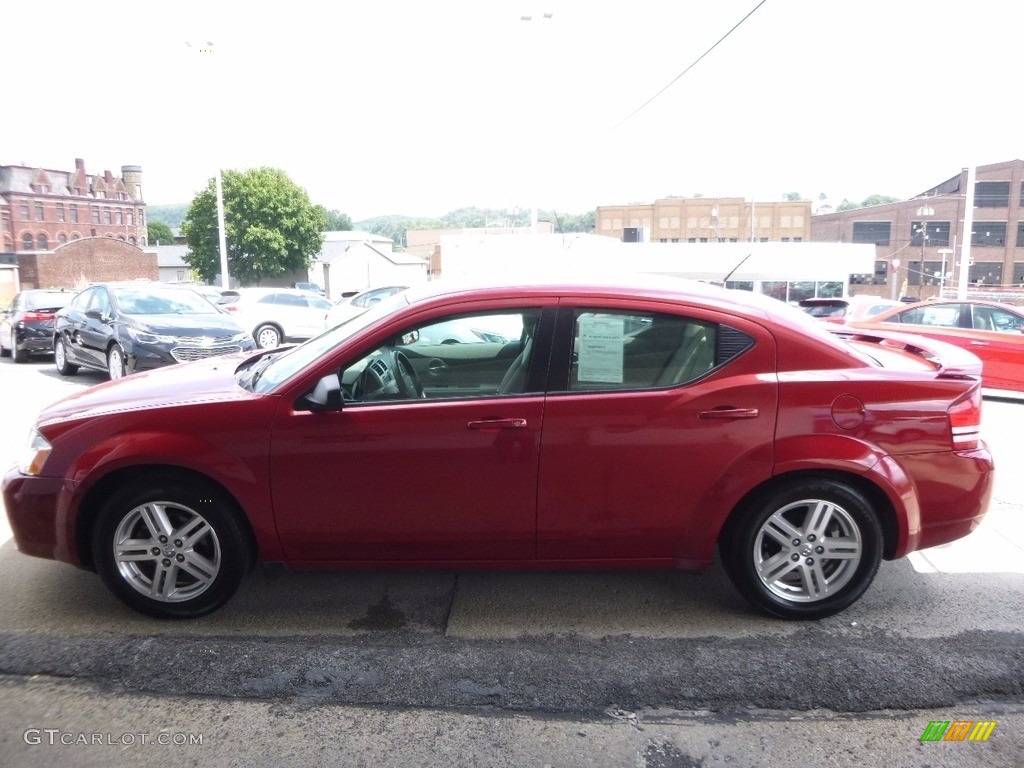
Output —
(47, 299)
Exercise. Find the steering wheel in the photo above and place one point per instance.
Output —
(406, 378)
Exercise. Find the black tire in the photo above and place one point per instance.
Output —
(18, 355)
(60, 359)
(267, 336)
(116, 367)
(190, 547)
(777, 550)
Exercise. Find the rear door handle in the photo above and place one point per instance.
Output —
(725, 412)
(497, 424)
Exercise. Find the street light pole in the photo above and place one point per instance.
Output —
(225, 282)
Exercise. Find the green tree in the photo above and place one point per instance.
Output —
(792, 197)
(270, 224)
(158, 233)
(336, 221)
(848, 205)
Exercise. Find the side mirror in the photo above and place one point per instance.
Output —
(407, 338)
(326, 395)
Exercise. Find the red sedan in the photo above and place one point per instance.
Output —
(992, 331)
(627, 425)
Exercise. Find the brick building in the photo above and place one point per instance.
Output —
(706, 220)
(86, 260)
(42, 208)
(918, 242)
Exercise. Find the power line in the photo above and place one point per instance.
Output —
(695, 62)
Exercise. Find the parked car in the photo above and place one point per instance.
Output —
(126, 327)
(277, 315)
(26, 327)
(358, 303)
(991, 330)
(846, 309)
(623, 424)
(310, 287)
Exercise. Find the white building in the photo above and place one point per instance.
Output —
(354, 261)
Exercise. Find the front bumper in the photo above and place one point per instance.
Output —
(32, 505)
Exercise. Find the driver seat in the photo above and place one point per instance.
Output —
(514, 380)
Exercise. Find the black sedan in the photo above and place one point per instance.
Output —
(123, 328)
(26, 327)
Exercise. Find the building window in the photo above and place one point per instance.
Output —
(986, 273)
(62, 238)
(762, 239)
(663, 240)
(117, 217)
(130, 218)
(121, 238)
(74, 235)
(95, 215)
(874, 232)
(798, 239)
(1020, 235)
(24, 211)
(992, 194)
(27, 241)
(936, 234)
(73, 210)
(989, 233)
(691, 239)
(41, 240)
(39, 212)
(106, 216)
(675, 239)
(785, 239)
(131, 240)
(60, 211)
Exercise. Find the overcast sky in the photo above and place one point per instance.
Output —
(417, 107)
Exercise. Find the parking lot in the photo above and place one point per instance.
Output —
(935, 635)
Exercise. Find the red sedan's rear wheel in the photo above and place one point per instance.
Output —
(807, 551)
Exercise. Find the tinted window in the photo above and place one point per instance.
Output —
(945, 315)
(994, 319)
(455, 357)
(619, 350)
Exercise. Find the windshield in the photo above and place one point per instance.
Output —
(285, 365)
(155, 300)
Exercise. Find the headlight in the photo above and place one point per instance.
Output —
(242, 337)
(35, 453)
(145, 337)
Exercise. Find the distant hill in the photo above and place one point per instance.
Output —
(171, 215)
(394, 226)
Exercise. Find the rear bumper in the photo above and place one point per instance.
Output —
(953, 494)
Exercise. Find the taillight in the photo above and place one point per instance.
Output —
(965, 420)
(229, 308)
(35, 317)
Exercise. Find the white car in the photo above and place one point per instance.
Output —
(356, 305)
(278, 315)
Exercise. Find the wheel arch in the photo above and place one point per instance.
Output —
(95, 496)
(874, 493)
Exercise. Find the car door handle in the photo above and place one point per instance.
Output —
(975, 343)
(725, 412)
(497, 424)
(436, 367)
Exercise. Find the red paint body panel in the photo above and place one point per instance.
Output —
(601, 479)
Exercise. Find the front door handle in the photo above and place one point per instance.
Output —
(725, 412)
(497, 424)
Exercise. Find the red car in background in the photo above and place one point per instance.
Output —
(991, 330)
(630, 424)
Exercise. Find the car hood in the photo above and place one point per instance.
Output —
(204, 381)
(214, 325)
